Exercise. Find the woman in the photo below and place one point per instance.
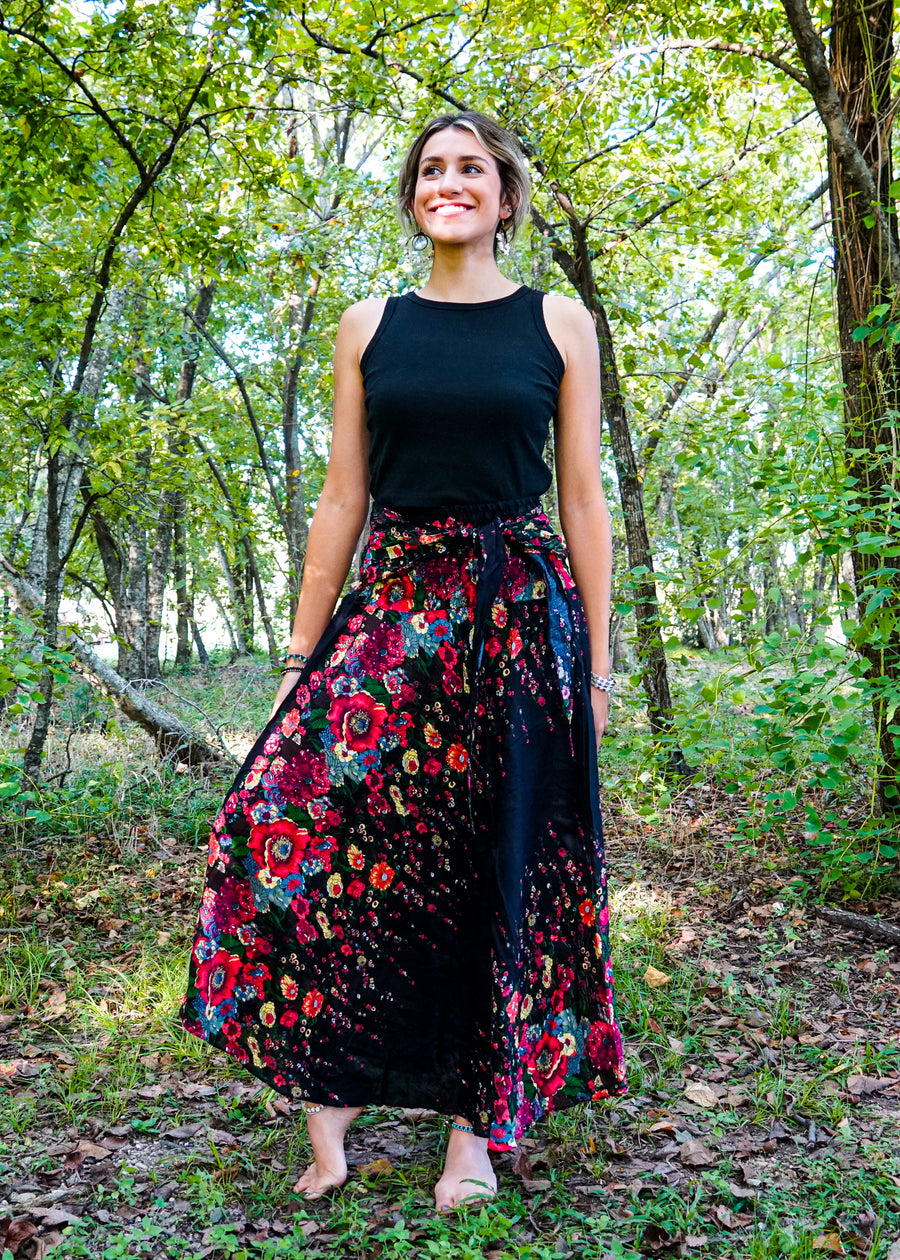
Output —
(406, 894)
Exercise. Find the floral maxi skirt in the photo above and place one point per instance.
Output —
(405, 897)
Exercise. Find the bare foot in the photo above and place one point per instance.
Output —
(326, 1134)
(468, 1173)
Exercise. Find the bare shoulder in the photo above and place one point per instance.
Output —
(359, 322)
(569, 323)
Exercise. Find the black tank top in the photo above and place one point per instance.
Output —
(459, 399)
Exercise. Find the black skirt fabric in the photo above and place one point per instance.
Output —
(405, 898)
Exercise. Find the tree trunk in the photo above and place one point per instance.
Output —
(861, 56)
(236, 598)
(182, 596)
(172, 502)
(171, 735)
(651, 655)
(295, 514)
(853, 99)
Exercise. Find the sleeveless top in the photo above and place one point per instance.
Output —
(459, 399)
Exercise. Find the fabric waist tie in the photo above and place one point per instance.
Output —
(484, 534)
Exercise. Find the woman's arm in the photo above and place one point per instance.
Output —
(583, 512)
(343, 504)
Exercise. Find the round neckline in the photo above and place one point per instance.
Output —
(469, 306)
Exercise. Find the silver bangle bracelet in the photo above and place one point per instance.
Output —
(601, 683)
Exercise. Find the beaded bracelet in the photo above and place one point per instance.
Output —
(601, 683)
(296, 656)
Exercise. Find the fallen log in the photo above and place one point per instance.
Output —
(170, 734)
(867, 924)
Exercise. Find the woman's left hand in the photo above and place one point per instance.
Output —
(600, 707)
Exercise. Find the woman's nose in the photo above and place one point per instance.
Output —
(450, 181)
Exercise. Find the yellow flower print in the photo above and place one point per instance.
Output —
(432, 738)
(343, 752)
(397, 797)
(548, 971)
(355, 858)
(267, 1013)
(567, 1041)
(322, 920)
(411, 761)
(335, 885)
(498, 614)
(526, 1006)
(289, 987)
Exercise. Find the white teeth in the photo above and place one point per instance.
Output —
(446, 211)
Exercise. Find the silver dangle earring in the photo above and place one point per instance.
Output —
(420, 241)
(502, 239)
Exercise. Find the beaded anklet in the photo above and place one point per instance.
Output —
(312, 1109)
(463, 1128)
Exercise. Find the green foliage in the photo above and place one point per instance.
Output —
(692, 168)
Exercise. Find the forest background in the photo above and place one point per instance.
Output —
(190, 197)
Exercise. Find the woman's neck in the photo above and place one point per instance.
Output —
(460, 275)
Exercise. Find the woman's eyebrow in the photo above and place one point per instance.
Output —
(471, 157)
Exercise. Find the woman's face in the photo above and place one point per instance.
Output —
(459, 197)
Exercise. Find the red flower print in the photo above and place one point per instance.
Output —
(313, 1002)
(547, 1064)
(289, 1019)
(448, 654)
(457, 757)
(356, 888)
(493, 646)
(397, 593)
(304, 777)
(381, 875)
(217, 976)
(586, 910)
(255, 975)
(432, 766)
(381, 651)
(432, 736)
(279, 846)
(600, 1046)
(233, 905)
(514, 642)
(357, 720)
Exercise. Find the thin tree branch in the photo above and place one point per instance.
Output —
(254, 423)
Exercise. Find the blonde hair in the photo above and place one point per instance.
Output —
(503, 147)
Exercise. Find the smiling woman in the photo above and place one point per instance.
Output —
(405, 899)
(442, 157)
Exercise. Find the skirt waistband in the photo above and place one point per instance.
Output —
(469, 513)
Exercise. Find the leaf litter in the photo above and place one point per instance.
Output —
(765, 1069)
